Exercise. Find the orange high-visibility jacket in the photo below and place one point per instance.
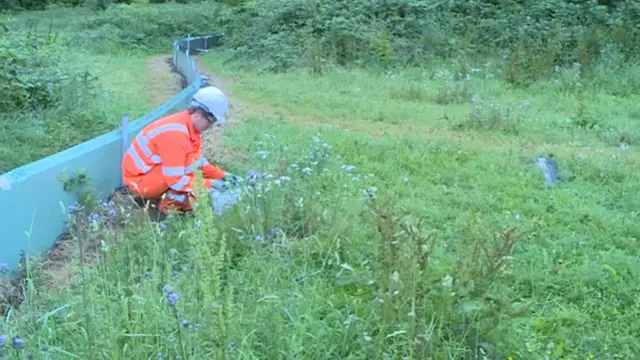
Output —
(173, 144)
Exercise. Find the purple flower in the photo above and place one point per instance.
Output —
(4, 267)
(112, 212)
(173, 298)
(166, 289)
(163, 227)
(74, 208)
(3, 339)
(252, 176)
(18, 344)
(95, 217)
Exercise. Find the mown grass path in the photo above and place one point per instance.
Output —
(241, 107)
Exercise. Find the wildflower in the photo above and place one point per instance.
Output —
(3, 339)
(262, 154)
(258, 237)
(252, 176)
(185, 323)
(173, 298)
(18, 344)
(163, 227)
(112, 212)
(74, 208)
(4, 267)
(273, 232)
(166, 289)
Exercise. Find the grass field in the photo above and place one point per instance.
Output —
(398, 216)
(340, 278)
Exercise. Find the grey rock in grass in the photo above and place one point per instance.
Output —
(549, 169)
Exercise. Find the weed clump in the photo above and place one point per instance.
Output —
(506, 119)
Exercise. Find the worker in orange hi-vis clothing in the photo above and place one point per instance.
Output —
(160, 163)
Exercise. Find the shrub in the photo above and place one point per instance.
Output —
(284, 34)
(45, 99)
(147, 28)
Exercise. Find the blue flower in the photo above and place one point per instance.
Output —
(3, 339)
(173, 298)
(18, 344)
(3, 268)
(166, 289)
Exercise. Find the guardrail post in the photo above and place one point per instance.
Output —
(188, 44)
(124, 137)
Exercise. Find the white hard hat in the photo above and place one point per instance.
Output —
(212, 100)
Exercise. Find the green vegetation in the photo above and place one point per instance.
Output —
(60, 83)
(398, 215)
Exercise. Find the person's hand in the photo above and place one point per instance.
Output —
(234, 179)
(219, 185)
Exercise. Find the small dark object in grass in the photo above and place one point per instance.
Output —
(549, 169)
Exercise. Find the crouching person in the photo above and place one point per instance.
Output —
(160, 164)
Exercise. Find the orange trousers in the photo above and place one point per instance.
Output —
(151, 186)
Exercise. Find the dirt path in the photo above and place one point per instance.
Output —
(164, 83)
